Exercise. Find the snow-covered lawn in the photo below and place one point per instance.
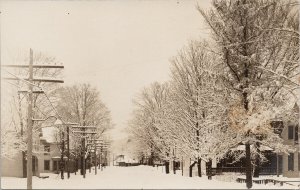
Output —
(136, 177)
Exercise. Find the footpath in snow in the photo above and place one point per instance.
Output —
(136, 177)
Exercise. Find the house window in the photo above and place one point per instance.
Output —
(55, 166)
(46, 164)
(291, 162)
(46, 149)
(291, 132)
(277, 126)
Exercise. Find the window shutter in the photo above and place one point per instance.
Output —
(291, 162)
(291, 132)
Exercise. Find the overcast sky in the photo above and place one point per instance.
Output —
(117, 46)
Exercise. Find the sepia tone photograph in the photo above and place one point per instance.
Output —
(150, 94)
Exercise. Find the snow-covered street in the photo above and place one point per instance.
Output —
(138, 177)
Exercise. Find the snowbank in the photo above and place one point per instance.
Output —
(137, 177)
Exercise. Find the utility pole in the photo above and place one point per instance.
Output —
(68, 149)
(95, 156)
(30, 119)
(83, 157)
(62, 155)
(96, 143)
(22, 134)
(99, 159)
(83, 144)
(90, 161)
(95, 149)
(174, 160)
(29, 124)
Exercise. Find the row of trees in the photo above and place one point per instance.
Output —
(225, 92)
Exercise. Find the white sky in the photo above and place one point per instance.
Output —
(117, 46)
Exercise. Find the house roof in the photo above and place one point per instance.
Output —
(296, 108)
(242, 148)
(58, 158)
(48, 134)
(126, 159)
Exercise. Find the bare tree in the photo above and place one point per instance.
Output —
(202, 103)
(82, 104)
(145, 124)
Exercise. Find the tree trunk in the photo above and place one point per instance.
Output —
(182, 166)
(277, 164)
(151, 163)
(208, 169)
(90, 163)
(167, 163)
(199, 167)
(81, 164)
(76, 165)
(257, 163)
(191, 169)
(247, 145)
(86, 165)
(24, 164)
(248, 167)
(174, 166)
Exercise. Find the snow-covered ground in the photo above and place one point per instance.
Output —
(136, 177)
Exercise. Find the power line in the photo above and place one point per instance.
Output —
(18, 78)
(31, 84)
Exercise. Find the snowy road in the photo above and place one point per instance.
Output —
(138, 177)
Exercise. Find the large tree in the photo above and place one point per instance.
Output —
(81, 104)
(259, 45)
(201, 103)
(146, 124)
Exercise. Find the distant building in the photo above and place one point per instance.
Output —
(122, 160)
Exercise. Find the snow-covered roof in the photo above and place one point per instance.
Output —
(242, 148)
(58, 157)
(125, 159)
(296, 108)
(48, 134)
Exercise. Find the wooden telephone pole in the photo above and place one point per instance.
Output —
(62, 155)
(83, 132)
(29, 124)
(96, 143)
(30, 119)
(68, 153)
